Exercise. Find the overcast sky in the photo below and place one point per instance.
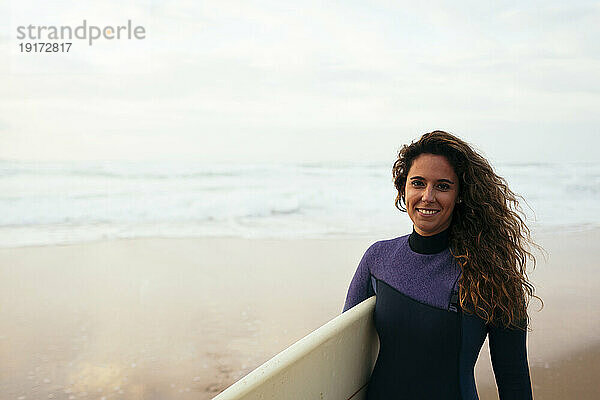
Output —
(303, 80)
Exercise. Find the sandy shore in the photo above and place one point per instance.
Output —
(185, 318)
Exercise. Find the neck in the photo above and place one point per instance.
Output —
(429, 244)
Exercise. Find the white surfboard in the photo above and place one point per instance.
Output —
(332, 363)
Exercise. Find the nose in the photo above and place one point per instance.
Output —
(428, 194)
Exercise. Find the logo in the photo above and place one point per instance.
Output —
(90, 33)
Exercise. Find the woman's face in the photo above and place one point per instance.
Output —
(431, 192)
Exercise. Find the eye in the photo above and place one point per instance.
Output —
(444, 186)
(416, 183)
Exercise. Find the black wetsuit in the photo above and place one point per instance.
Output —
(428, 346)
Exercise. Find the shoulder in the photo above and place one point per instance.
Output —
(381, 248)
(391, 244)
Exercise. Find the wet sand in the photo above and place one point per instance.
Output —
(185, 318)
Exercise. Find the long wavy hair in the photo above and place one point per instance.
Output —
(488, 236)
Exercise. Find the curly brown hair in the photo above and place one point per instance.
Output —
(488, 236)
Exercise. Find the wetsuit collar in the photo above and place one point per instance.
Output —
(428, 244)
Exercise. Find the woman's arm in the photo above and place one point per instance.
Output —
(508, 350)
(360, 288)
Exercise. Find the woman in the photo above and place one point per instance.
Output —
(459, 276)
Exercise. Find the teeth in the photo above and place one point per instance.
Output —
(428, 212)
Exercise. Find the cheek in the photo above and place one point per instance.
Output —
(451, 204)
(408, 198)
(408, 192)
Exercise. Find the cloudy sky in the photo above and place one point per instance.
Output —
(303, 80)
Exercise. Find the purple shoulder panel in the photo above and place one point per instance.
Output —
(427, 278)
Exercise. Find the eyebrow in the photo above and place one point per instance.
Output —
(439, 180)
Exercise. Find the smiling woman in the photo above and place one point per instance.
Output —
(457, 278)
(431, 193)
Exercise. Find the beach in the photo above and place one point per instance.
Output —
(183, 318)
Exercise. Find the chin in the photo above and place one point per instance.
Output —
(430, 231)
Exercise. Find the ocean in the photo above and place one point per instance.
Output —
(68, 202)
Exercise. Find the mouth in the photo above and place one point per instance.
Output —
(426, 212)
